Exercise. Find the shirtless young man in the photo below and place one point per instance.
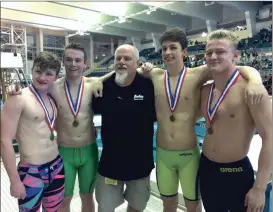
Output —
(177, 149)
(30, 118)
(75, 130)
(226, 175)
(76, 133)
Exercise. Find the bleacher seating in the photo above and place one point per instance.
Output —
(146, 52)
(251, 50)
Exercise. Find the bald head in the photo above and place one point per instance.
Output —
(128, 48)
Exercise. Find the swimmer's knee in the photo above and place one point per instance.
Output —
(67, 200)
(65, 204)
(193, 206)
(86, 196)
(88, 204)
(170, 203)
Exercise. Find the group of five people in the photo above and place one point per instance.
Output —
(130, 100)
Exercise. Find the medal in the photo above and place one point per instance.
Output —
(75, 123)
(50, 121)
(74, 107)
(210, 130)
(172, 118)
(211, 112)
(173, 100)
(52, 136)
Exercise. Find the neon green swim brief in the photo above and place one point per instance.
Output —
(82, 161)
(173, 166)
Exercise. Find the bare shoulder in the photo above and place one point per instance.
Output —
(90, 80)
(56, 86)
(58, 82)
(201, 73)
(241, 83)
(199, 69)
(193, 71)
(157, 71)
(17, 102)
(246, 68)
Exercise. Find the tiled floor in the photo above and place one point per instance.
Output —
(9, 204)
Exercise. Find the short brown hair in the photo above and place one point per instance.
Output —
(175, 35)
(222, 34)
(76, 46)
(46, 60)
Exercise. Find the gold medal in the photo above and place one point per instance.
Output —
(210, 113)
(172, 118)
(210, 130)
(50, 121)
(74, 107)
(75, 123)
(52, 136)
(173, 100)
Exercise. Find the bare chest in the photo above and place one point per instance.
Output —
(73, 99)
(37, 112)
(186, 95)
(229, 107)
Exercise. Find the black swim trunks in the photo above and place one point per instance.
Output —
(223, 186)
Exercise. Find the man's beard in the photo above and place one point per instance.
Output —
(121, 77)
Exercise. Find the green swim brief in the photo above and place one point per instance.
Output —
(173, 166)
(82, 161)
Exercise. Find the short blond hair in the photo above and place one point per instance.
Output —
(222, 34)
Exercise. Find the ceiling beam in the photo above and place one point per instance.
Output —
(192, 9)
(70, 25)
(244, 6)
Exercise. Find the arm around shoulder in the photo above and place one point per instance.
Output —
(149, 73)
(106, 76)
(255, 88)
(202, 73)
(250, 73)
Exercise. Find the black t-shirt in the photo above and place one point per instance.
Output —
(128, 115)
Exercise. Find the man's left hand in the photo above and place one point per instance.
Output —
(97, 88)
(147, 67)
(255, 200)
(254, 93)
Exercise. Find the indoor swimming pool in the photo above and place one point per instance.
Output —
(200, 131)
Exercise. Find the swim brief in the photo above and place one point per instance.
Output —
(44, 185)
(82, 161)
(224, 186)
(173, 166)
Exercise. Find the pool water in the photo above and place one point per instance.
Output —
(200, 131)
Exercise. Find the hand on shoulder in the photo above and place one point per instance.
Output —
(97, 88)
(148, 68)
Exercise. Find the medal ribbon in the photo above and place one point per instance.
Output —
(211, 112)
(74, 107)
(173, 100)
(50, 121)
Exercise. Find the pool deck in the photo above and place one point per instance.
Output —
(9, 204)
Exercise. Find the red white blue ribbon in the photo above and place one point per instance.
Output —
(50, 121)
(212, 111)
(173, 100)
(74, 107)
